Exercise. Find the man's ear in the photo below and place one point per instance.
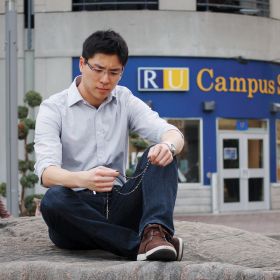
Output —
(81, 63)
(121, 75)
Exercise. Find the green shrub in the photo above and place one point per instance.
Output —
(33, 98)
(3, 189)
(22, 112)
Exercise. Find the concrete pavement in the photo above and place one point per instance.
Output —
(263, 222)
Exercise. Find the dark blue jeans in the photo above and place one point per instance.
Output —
(77, 220)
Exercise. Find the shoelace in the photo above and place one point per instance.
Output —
(158, 228)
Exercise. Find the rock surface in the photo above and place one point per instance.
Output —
(211, 252)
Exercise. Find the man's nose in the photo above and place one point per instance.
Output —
(105, 77)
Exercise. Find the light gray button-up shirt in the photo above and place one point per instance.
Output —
(72, 134)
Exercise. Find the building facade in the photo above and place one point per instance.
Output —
(211, 69)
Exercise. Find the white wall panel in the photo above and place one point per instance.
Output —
(162, 33)
(52, 75)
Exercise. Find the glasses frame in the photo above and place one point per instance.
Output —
(112, 74)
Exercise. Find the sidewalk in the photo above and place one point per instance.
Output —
(263, 222)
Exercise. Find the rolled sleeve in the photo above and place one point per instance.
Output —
(146, 122)
(48, 148)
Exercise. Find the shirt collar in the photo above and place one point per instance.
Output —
(74, 95)
(112, 96)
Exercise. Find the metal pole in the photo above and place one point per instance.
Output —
(29, 72)
(29, 53)
(11, 108)
(29, 30)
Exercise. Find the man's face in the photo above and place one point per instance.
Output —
(100, 75)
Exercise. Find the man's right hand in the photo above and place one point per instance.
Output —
(99, 179)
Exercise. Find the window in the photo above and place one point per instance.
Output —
(102, 5)
(242, 124)
(248, 7)
(189, 160)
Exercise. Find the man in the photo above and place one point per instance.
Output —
(81, 145)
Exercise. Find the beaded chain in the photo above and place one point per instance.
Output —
(141, 174)
(132, 178)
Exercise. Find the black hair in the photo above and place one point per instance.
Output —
(106, 42)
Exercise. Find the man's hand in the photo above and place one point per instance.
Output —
(100, 179)
(160, 154)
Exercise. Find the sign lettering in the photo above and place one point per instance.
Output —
(163, 79)
(207, 81)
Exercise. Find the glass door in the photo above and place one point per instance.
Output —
(243, 171)
(230, 159)
(258, 171)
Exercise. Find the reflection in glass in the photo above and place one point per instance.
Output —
(231, 153)
(256, 189)
(231, 190)
(278, 149)
(231, 124)
(189, 165)
(189, 158)
(255, 153)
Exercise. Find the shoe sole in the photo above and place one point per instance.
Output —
(181, 249)
(141, 257)
(160, 253)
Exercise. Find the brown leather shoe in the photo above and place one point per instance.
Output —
(178, 244)
(154, 245)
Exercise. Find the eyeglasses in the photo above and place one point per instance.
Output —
(112, 74)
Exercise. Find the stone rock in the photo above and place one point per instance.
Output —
(211, 252)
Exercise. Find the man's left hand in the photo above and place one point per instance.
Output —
(160, 154)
